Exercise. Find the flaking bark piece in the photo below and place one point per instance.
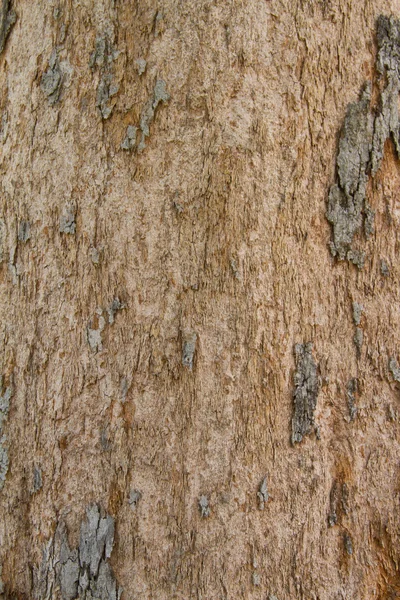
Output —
(388, 64)
(96, 540)
(306, 389)
(188, 348)
(262, 494)
(347, 205)
(7, 19)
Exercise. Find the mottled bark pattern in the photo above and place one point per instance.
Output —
(165, 175)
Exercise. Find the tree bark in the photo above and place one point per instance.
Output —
(200, 304)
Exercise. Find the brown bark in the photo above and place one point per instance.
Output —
(158, 298)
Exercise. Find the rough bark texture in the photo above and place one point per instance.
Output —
(171, 305)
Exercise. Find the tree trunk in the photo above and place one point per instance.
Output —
(199, 237)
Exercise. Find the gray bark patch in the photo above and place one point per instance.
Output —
(262, 493)
(98, 323)
(3, 236)
(357, 312)
(394, 369)
(188, 349)
(141, 65)
(4, 126)
(204, 507)
(361, 148)
(68, 219)
(105, 91)
(134, 498)
(306, 389)
(51, 81)
(94, 331)
(83, 572)
(385, 270)
(114, 307)
(37, 479)
(4, 408)
(348, 544)
(24, 231)
(130, 138)
(96, 541)
(388, 66)
(7, 19)
(102, 59)
(347, 198)
(160, 94)
(133, 139)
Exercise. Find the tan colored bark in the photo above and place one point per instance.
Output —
(214, 235)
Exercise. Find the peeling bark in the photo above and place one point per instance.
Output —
(164, 259)
(84, 572)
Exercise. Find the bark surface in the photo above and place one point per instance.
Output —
(198, 399)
